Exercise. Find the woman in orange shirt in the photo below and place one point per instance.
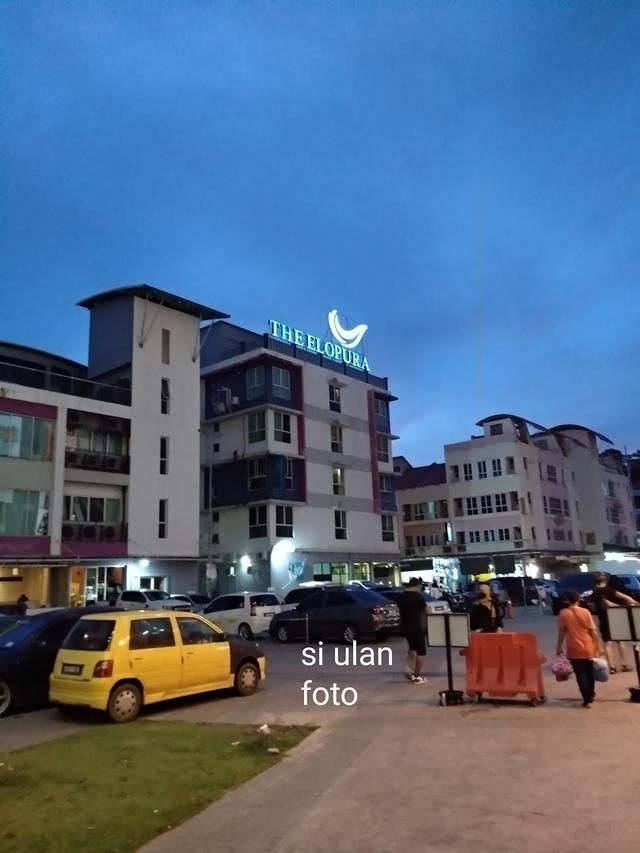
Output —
(576, 627)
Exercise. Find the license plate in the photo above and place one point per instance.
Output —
(72, 669)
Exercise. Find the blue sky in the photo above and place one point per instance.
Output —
(462, 176)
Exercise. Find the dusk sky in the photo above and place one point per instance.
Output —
(464, 177)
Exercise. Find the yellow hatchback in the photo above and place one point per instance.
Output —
(117, 662)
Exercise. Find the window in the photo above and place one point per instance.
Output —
(501, 502)
(565, 507)
(515, 503)
(336, 438)
(257, 473)
(454, 473)
(114, 444)
(406, 512)
(511, 465)
(418, 512)
(468, 471)
(408, 541)
(555, 506)
(548, 534)
(288, 474)
(282, 427)
(162, 518)
(257, 427)
(90, 635)
(24, 437)
(166, 341)
(225, 603)
(334, 398)
(517, 534)
(533, 533)
(284, 521)
(562, 475)
(338, 598)
(24, 513)
(460, 537)
(340, 522)
(193, 632)
(79, 509)
(486, 504)
(383, 448)
(338, 482)
(257, 522)
(165, 396)
(540, 470)
(434, 539)
(526, 463)
(264, 599)
(474, 536)
(591, 538)
(489, 536)
(255, 382)
(552, 473)
(164, 454)
(610, 490)
(482, 470)
(216, 427)
(570, 535)
(281, 383)
(472, 506)
(216, 447)
(138, 597)
(503, 534)
(496, 465)
(151, 634)
(545, 504)
(387, 528)
(559, 535)
(495, 429)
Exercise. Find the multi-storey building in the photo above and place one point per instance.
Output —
(633, 463)
(297, 479)
(520, 496)
(99, 464)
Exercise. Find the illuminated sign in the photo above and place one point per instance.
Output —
(343, 350)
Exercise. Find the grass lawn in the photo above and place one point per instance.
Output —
(110, 789)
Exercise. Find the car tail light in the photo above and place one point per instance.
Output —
(253, 610)
(103, 669)
(375, 611)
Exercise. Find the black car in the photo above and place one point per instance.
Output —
(337, 612)
(581, 582)
(28, 649)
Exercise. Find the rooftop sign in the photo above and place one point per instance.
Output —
(342, 350)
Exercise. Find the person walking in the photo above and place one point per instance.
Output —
(577, 630)
(413, 621)
(23, 603)
(484, 616)
(607, 593)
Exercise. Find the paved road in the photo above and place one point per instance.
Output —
(397, 772)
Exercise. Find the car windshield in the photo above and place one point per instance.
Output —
(18, 633)
(90, 635)
(200, 599)
(156, 595)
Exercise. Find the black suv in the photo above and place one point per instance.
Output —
(337, 612)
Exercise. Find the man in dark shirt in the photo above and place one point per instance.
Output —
(413, 620)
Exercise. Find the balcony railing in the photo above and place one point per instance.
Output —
(88, 460)
(87, 531)
(61, 384)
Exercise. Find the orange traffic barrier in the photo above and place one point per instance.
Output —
(504, 666)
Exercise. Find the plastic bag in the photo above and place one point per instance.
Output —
(600, 669)
(561, 667)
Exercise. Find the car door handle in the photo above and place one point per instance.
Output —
(189, 653)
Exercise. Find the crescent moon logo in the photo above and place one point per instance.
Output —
(347, 338)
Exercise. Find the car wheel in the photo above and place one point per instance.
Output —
(6, 698)
(350, 633)
(247, 679)
(284, 633)
(124, 703)
(245, 632)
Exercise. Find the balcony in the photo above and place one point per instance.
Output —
(89, 461)
(61, 384)
(90, 539)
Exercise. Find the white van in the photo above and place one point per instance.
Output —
(244, 613)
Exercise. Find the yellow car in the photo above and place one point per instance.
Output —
(117, 662)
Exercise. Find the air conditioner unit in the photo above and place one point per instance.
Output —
(446, 549)
(220, 408)
(89, 532)
(517, 543)
(73, 459)
(74, 419)
(462, 547)
(70, 531)
(111, 463)
(235, 401)
(92, 460)
(115, 425)
(110, 533)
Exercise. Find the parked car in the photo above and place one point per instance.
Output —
(347, 613)
(366, 585)
(149, 599)
(28, 648)
(293, 598)
(118, 662)
(244, 613)
(517, 587)
(434, 605)
(196, 602)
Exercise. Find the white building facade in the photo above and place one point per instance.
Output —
(522, 497)
(99, 464)
(297, 478)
